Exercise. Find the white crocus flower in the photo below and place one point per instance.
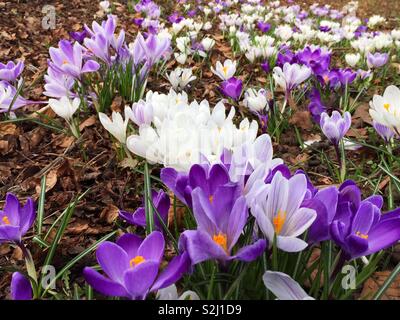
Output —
(171, 293)
(386, 109)
(225, 71)
(180, 78)
(256, 101)
(352, 59)
(116, 125)
(64, 107)
(207, 43)
(105, 5)
(180, 57)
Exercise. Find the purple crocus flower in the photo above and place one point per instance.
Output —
(220, 219)
(98, 45)
(359, 228)
(175, 18)
(68, 59)
(290, 76)
(132, 267)
(315, 58)
(207, 177)
(58, 84)
(335, 127)
(346, 76)
(7, 94)
(153, 47)
(377, 59)
(161, 203)
(79, 36)
(285, 55)
(11, 71)
(385, 132)
(359, 31)
(232, 88)
(191, 13)
(263, 26)
(266, 67)
(15, 220)
(325, 204)
(21, 288)
(138, 21)
(278, 212)
(316, 107)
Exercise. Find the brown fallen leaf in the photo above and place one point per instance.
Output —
(109, 213)
(362, 112)
(372, 285)
(8, 128)
(87, 123)
(301, 119)
(51, 180)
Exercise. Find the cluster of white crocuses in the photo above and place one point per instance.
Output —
(177, 133)
(180, 78)
(182, 132)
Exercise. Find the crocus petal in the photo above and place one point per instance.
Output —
(21, 288)
(284, 287)
(251, 252)
(237, 221)
(113, 260)
(9, 233)
(102, 284)
(90, 66)
(130, 217)
(383, 235)
(12, 209)
(178, 266)
(200, 246)
(139, 279)
(27, 215)
(202, 212)
(300, 221)
(152, 247)
(291, 244)
(130, 243)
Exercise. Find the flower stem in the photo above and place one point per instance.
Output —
(30, 267)
(274, 254)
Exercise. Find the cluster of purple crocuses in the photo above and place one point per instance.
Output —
(100, 49)
(11, 85)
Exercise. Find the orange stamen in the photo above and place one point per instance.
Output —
(6, 220)
(221, 240)
(136, 260)
(279, 221)
(361, 235)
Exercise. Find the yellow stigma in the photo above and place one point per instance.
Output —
(65, 62)
(279, 221)
(136, 260)
(326, 78)
(211, 198)
(361, 235)
(386, 106)
(6, 220)
(225, 70)
(221, 240)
